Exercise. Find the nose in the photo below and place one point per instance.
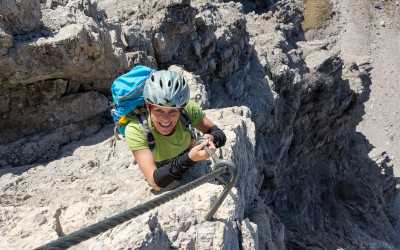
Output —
(166, 116)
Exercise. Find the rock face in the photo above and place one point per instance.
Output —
(20, 17)
(288, 105)
(102, 185)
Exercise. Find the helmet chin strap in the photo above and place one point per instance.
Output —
(148, 106)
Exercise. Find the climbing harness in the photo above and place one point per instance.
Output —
(219, 168)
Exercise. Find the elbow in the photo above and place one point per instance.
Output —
(154, 186)
(161, 178)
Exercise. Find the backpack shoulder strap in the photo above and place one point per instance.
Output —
(185, 119)
(145, 127)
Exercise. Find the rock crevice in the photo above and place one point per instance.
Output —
(288, 100)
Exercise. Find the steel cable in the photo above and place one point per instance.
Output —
(75, 238)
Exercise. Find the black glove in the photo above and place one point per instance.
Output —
(219, 136)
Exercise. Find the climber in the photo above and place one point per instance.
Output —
(166, 95)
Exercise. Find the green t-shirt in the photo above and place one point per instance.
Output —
(167, 147)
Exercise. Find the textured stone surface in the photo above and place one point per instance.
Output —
(5, 42)
(90, 183)
(288, 101)
(20, 17)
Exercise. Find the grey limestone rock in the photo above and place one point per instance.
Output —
(289, 105)
(91, 183)
(5, 42)
(20, 17)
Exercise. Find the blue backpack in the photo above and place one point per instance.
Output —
(127, 92)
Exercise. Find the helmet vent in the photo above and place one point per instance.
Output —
(176, 86)
(169, 83)
(184, 82)
(152, 78)
(161, 85)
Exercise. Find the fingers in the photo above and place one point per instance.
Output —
(201, 145)
(201, 149)
(211, 146)
(198, 152)
(204, 143)
(209, 137)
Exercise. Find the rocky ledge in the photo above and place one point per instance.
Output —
(289, 105)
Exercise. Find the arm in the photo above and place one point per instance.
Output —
(204, 125)
(161, 177)
(211, 131)
(146, 163)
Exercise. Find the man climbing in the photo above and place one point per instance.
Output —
(166, 94)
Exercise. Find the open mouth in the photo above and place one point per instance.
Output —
(165, 125)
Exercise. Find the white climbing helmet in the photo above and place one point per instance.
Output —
(166, 89)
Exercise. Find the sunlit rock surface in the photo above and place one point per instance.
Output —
(289, 107)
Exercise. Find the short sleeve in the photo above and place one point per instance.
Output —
(194, 111)
(135, 137)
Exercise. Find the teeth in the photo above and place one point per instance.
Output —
(165, 125)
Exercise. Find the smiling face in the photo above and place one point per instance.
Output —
(165, 119)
